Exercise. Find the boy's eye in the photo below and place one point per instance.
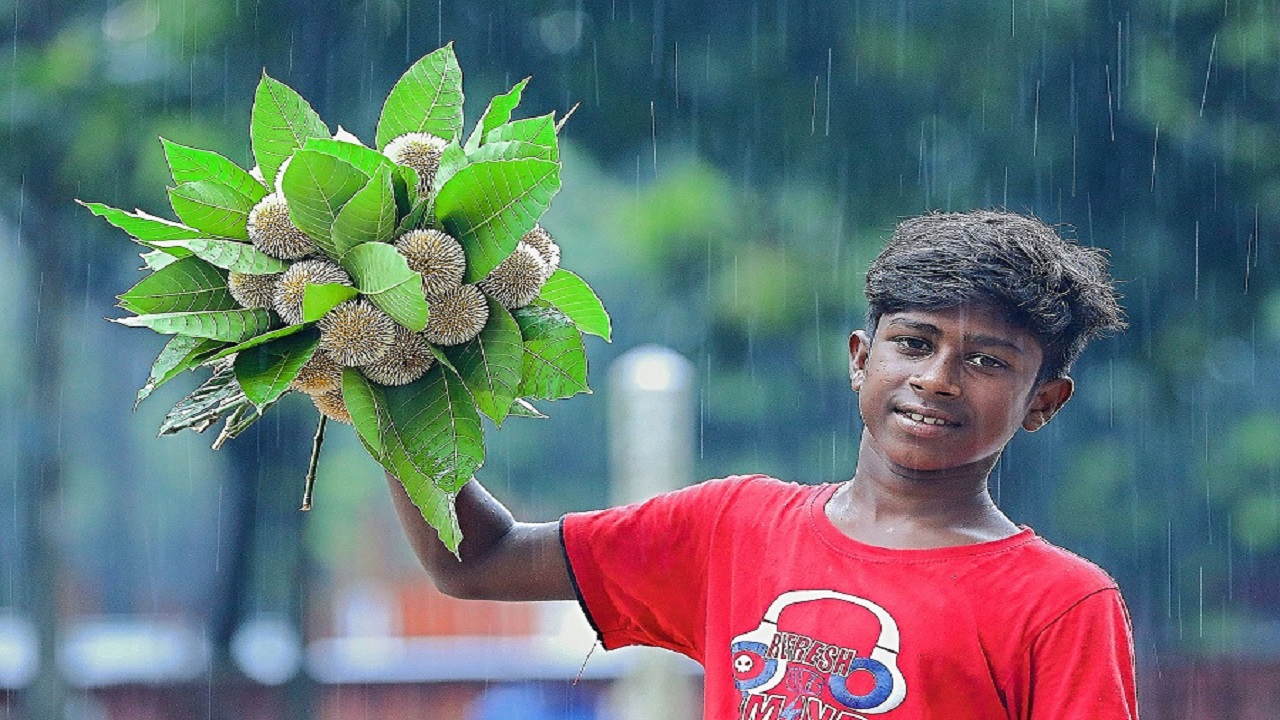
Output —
(986, 361)
(911, 344)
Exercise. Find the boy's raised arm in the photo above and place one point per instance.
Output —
(502, 559)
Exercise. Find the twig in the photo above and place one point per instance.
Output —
(310, 482)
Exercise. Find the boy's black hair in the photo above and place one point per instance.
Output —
(1058, 290)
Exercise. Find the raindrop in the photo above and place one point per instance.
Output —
(1155, 148)
(813, 115)
(595, 67)
(1035, 122)
(217, 533)
(675, 83)
(1168, 549)
(1230, 563)
(1213, 47)
(1111, 114)
(653, 129)
(1201, 601)
(827, 132)
(1073, 164)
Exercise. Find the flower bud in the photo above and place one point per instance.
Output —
(517, 279)
(457, 316)
(274, 233)
(356, 333)
(437, 256)
(406, 360)
(292, 287)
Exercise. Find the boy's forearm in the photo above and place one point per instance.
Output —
(501, 559)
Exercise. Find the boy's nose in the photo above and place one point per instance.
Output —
(937, 377)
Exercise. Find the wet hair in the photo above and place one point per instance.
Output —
(1058, 290)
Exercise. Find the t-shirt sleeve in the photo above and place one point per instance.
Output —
(641, 570)
(1081, 665)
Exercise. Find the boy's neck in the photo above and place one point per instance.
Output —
(895, 507)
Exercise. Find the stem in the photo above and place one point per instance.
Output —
(310, 482)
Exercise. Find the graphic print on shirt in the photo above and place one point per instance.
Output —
(819, 655)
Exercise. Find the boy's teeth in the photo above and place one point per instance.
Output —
(926, 420)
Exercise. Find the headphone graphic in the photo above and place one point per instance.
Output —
(755, 670)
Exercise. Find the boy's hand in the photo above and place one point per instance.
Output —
(501, 559)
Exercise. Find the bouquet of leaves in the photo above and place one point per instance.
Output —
(407, 287)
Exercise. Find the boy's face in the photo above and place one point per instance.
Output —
(943, 389)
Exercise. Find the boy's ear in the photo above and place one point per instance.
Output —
(859, 348)
(1046, 401)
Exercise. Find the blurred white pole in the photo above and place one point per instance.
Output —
(651, 445)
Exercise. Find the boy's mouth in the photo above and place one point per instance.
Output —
(926, 417)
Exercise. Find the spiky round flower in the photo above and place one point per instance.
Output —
(274, 233)
(320, 374)
(437, 256)
(420, 151)
(332, 406)
(517, 280)
(456, 316)
(292, 286)
(407, 360)
(546, 246)
(253, 291)
(356, 333)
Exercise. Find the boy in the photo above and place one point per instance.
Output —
(903, 592)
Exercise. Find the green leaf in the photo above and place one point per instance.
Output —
(381, 274)
(531, 138)
(441, 357)
(427, 434)
(142, 226)
(497, 113)
(317, 186)
(452, 160)
(213, 207)
(226, 325)
(281, 123)
(240, 419)
(555, 363)
(522, 408)
(189, 164)
(318, 300)
(365, 159)
(427, 98)
(255, 341)
(435, 417)
(368, 410)
(156, 259)
(369, 216)
(489, 205)
(404, 180)
(574, 297)
(235, 255)
(415, 219)
(216, 397)
(265, 371)
(187, 285)
(490, 365)
(180, 353)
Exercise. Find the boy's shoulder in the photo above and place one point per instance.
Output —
(1048, 564)
(747, 495)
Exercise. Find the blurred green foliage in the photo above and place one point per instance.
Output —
(730, 172)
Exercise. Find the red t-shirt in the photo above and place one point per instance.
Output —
(793, 620)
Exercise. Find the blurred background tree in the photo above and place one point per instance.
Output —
(730, 171)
